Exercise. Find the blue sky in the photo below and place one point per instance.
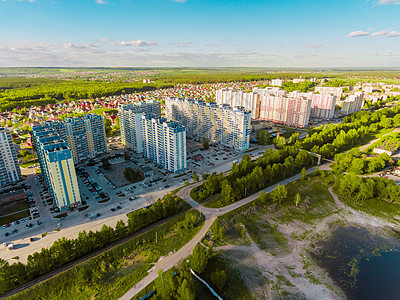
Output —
(200, 33)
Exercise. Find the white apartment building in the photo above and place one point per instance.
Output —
(164, 143)
(353, 103)
(130, 116)
(326, 90)
(9, 167)
(277, 82)
(218, 123)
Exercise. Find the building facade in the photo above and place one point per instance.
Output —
(285, 110)
(86, 136)
(130, 116)
(353, 103)
(218, 123)
(322, 105)
(57, 166)
(164, 143)
(327, 90)
(9, 167)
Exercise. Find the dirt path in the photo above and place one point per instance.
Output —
(295, 271)
(274, 267)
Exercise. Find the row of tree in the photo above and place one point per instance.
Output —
(249, 176)
(65, 250)
(356, 162)
(361, 189)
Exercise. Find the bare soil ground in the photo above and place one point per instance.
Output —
(294, 274)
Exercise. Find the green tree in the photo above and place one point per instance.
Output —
(206, 143)
(262, 196)
(127, 156)
(218, 278)
(303, 173)
(106, 163)
(297, 199)
(195, 177)
(200, 258)
(279, 194)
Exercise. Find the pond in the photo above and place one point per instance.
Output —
(364, 265)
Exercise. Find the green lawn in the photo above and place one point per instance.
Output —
(14, 217)
(16, 206)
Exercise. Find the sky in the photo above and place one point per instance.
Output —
(200, 33)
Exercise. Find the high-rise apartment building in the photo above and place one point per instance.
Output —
(9, 167)
(285, 110)
(130, 116)
(86, 136)
(57, 166)
(218, 123)
(353, 103)
(322, 105)
(164, 143)
(250, 101)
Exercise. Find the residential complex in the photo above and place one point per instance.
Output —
(322, 105)
(57, 166)
(130, 116)
(218, 123)
(164, 143)
(284, 109)
(9, 167)
(86, 136)
(353, 103)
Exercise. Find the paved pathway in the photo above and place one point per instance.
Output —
(211, 214)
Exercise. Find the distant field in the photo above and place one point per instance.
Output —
(23, 87)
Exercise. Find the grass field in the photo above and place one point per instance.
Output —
(14, 217)
(113, 273)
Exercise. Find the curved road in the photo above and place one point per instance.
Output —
(210, 214)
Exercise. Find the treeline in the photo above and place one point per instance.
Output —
(233, 76)
(249, 176)
(64, 250)
(355, 162)
(331, 139)
(22, 92)
(111, 274)
(303, 87)
(380, 103)
(361, 189)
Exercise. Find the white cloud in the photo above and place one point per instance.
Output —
(383, 2)
(358, 33)
(317, 45)
(393, 33)
(104, 40)
(386, 33)
(79, 46)
(101, 2)
(135, 43)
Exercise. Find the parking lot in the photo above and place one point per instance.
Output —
(105, 203)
